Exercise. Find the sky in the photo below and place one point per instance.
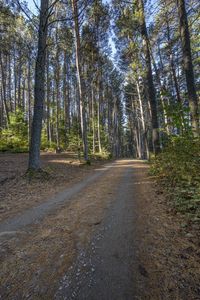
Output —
(31, 5)
(34, 10)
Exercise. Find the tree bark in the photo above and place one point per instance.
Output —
(39, 89)
(19, 80)
(188, 66)
(149, 79)
(29, 102)
(3, 76)
(93, 121)
(48, 95)
(57, 86)
(99, 113)
(65, 97)
(144, 131)
(80, 80)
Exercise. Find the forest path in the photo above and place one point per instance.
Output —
(80, 244)
(37, 213)
(108, 268)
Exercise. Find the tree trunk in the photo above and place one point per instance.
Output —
(161, 85)
(39, 90)
(93, 121)
(10, 82)
(99, 114)
(48, 101)
(80, 80)
(144, 131)
(171, 57)
(3, 76)
(29, 102)
(57, 86)
(188, 66)
(19, 79)
(15, 81)
(65, 97)
(149, 79)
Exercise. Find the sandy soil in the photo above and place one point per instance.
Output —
(18, 194)
(116, 229)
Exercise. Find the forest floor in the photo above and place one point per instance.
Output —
(18, 194)
(104, 233)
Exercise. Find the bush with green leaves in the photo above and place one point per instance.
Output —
(14, 138)
(178, 167)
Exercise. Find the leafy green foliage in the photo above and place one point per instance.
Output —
(178, 117)
(15, 137)
(178, 169)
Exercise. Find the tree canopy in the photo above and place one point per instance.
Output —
(58, 73)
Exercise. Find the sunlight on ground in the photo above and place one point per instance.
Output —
(142, 182)
(64, 161)
(129, 166)
(132, 163)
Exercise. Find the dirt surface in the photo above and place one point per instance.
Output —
(18, 194)
(105, 270)
(35, 214)
(114, 238)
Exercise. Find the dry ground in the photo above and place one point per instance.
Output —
(18, 194)
(169, 251)
(35, 259)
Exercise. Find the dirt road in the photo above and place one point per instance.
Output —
(91, 224)
(107, 236)
(106, 270)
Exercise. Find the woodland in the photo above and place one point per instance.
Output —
(108, 80)
(100, 149)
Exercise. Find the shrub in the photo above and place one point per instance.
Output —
(178, 168)
(14, 138)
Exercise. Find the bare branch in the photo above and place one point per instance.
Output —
(36, 5)
(24, 11)
(53, 4)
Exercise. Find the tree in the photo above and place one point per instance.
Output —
(80, 79)
(39, 89)
(149, 79)
(188, 66)
(78, 97)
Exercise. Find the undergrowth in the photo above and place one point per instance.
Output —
(178, 170)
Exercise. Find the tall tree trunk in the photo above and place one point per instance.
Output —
(99, 113)
(3, 76)
(144, 131)
(15, 81)
(65, 97)
(162, 87)
(80, 80)
(29, 102)
(39, 90)
(171, 57)
(93, 121)
(57, 83)
(10, 82)
(188, 66)
(149, 79)
(1, 106)
(24, 95)
(115, 113)
(19, 79)
(136, 129)
(48, 100)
